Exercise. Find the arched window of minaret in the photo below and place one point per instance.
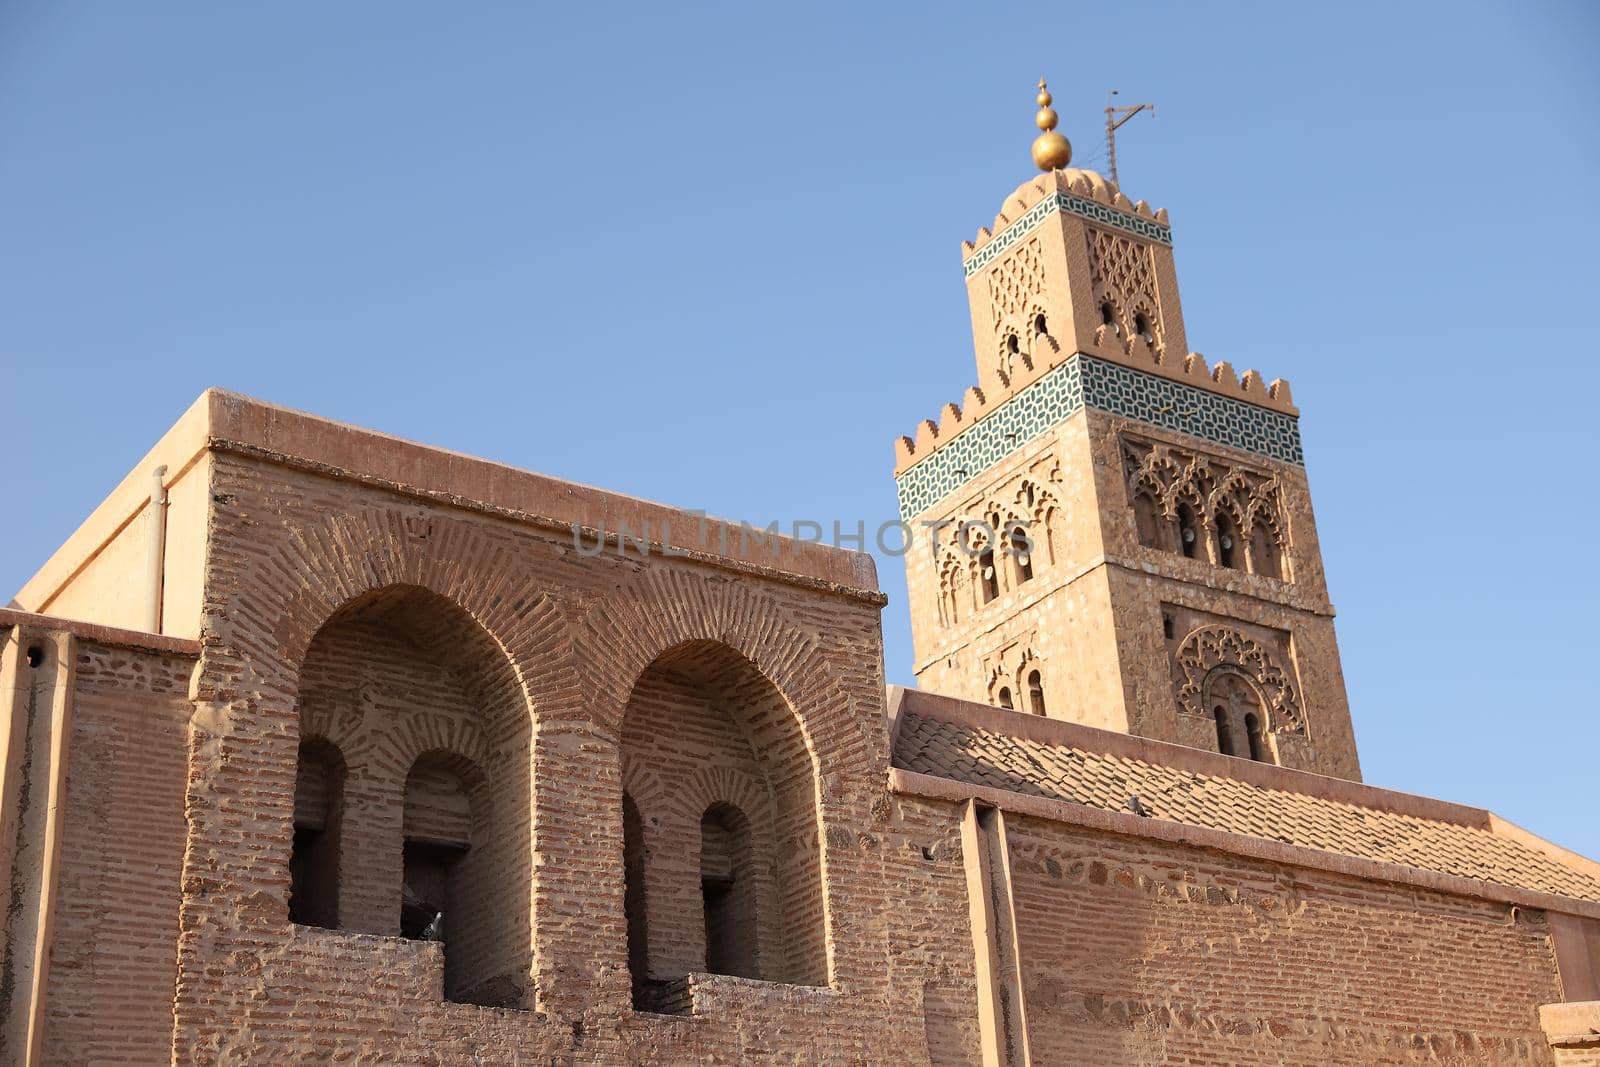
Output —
(1229, 551)
(1004, 698)
(1224, 733)
(1010, 349)
(988, 573)
(1258, 739)
(1141, 326)
(1035, 692)
(318, 812)
(728, 889)
(1040, 325)
(1147, 518)
(988, 578)
(1188, 532)
(1265, 555)
(1021, 553)
(1108, 317)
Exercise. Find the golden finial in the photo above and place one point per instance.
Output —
(1051, 151)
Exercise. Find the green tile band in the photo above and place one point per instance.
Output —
(1092, 210)
(1084, 381)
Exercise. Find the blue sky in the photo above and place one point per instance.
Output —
(710, 255)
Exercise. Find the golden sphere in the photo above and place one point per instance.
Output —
(1045, 119)
(1044, 99)
(1051, 151)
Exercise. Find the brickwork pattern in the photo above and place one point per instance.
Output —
(114, 957)
(1144, 953)
(576, 633)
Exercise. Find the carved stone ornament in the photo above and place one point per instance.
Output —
(1214, 649)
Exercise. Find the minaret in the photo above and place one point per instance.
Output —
(1112, 530)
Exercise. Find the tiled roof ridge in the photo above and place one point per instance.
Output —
(1091, 739)
(1099, 769)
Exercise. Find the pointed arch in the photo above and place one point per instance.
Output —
(705, 718)
(414, 683)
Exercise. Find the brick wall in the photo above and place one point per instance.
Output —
(114, 959)
(1140, 952)
(289, 550)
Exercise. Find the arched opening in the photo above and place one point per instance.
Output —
(1224, 732)
(1036, 692)
(447, 890)
(1040, 325)
(1141, 326)
(1227, 537)
(1147, 519)
(634, 905)
(1010, 350)
(1188, 532)
(988, 577)
(730, 814)
(1021, 553)
(1265, 556)
(1004, 698)
(1258, 741)
(1240, 715)
(314, 859)
(1108, 317)
(952, 589)
(728, 892)
(436, 827)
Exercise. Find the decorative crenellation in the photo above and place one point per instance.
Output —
(971, 438)
(1078, 192)
(1163, 398)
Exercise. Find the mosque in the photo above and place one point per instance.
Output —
(325, 746)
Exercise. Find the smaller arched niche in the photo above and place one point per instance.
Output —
(318, 812)
(1266, 554)
(729, 893)
(1147, 519)
(1036, 691)
(634, 901)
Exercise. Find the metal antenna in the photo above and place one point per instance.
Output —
(1113, 122)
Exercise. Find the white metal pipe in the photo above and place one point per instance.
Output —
(156, 566)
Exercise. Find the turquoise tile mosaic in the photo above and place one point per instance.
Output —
(1086, 381)
(1161, 401)
(992, 438)
(1092, 210)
